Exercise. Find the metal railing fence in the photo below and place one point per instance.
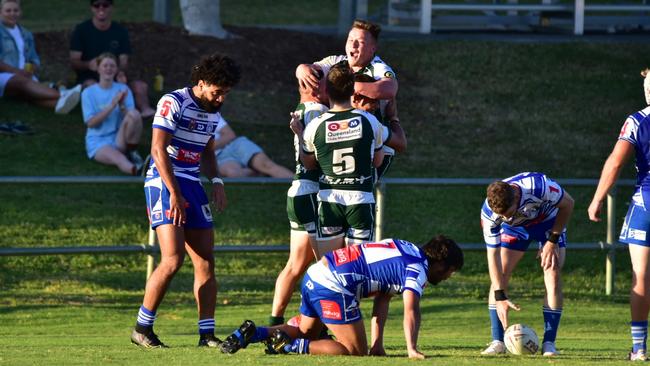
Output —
(151, 248)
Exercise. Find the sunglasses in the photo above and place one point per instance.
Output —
(101, 5)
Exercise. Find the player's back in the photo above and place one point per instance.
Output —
(344, 143)
(389, 266)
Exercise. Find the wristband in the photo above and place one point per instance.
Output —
(553, 238)
(216, 180)
(500, 295)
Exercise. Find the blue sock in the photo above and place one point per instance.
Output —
(639, 335)
(497, 328)
(261, 333)
(299, 345)
(206, 326)
(146, 317)
(551, 323)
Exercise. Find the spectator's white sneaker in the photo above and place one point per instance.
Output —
(136, 159)
(638, 356)
(495, 348)
(68, 100)
(548, 349)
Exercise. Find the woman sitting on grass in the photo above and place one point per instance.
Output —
(114, 125)
(19, 63)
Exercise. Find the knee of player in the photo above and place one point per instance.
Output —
(171, 265)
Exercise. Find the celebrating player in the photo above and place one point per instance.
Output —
(633, 139)
(302, 207)
(528, 206)
(333, 287)
(360, 49)
(183, 145)
(346, 144)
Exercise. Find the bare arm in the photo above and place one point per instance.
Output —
(551, 251)
(160, 139)
(307, 159)
(498, 282)
(79, 65)
(307, 75)
(226, 135)
(379, 316)
(378, 158)
(384, 88)
(611, 170)
(97, 119)
(412, 323)
(209, 168)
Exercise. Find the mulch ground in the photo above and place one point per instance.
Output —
(268, 57)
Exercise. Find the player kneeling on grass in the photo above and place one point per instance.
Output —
(332, 288)
(517, 210)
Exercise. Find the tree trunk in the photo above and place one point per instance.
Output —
(202, 17)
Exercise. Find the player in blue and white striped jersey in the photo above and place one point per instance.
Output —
(634, 138)
(182, 146)
(519, 209)
(333, 288)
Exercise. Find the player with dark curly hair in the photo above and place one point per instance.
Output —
(182, 146)
(333, 287)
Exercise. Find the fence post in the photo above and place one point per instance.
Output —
(610, 264)
(380, 201)
(151, 244)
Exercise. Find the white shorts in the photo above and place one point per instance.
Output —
(4, 79)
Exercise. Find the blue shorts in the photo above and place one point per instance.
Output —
(241, 150)
(519, 237)
(636, 226)
(197, 208)
(94, 143)
(332, 307)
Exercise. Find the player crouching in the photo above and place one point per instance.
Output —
(332, 288)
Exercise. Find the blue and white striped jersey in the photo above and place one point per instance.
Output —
(389, 266)
(180, 114)
(538, 203)
(636, 130)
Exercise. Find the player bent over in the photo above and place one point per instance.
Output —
(182, 146)
(333, 287)
(525, 207)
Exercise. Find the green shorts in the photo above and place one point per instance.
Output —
(355, 222)
(303, 212)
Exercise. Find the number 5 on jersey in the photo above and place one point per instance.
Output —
(343, 161)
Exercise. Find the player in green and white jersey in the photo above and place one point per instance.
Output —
(302, 208)
(360, 49)
(346, 143)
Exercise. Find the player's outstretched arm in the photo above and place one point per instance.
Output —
(377, 323)
(384, 88)
(498, 294)
(622, 152)
(412, 323)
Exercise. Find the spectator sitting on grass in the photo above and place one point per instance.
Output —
(238, 156)
(19, 63)
(96, 36)
(114, 125)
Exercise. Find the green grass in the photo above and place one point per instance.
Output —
(470, 109)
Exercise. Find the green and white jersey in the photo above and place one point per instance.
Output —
(376, 69)
(345, 143)
(305, 181)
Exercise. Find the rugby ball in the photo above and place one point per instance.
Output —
(521, 339)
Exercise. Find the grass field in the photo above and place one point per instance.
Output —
(470, 109)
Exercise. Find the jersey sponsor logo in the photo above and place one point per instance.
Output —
(346, 255)
(188, 156)
(330, 230)
(343, 130)
(505, 238)
(331, 310)
(207, 214)
(636, 234)
(341, 181)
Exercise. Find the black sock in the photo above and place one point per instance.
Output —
(276, 320)
(143, 329)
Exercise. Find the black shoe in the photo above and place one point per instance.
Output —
(149, 340)
(209, 340)
(240, 338)
(276, 343)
